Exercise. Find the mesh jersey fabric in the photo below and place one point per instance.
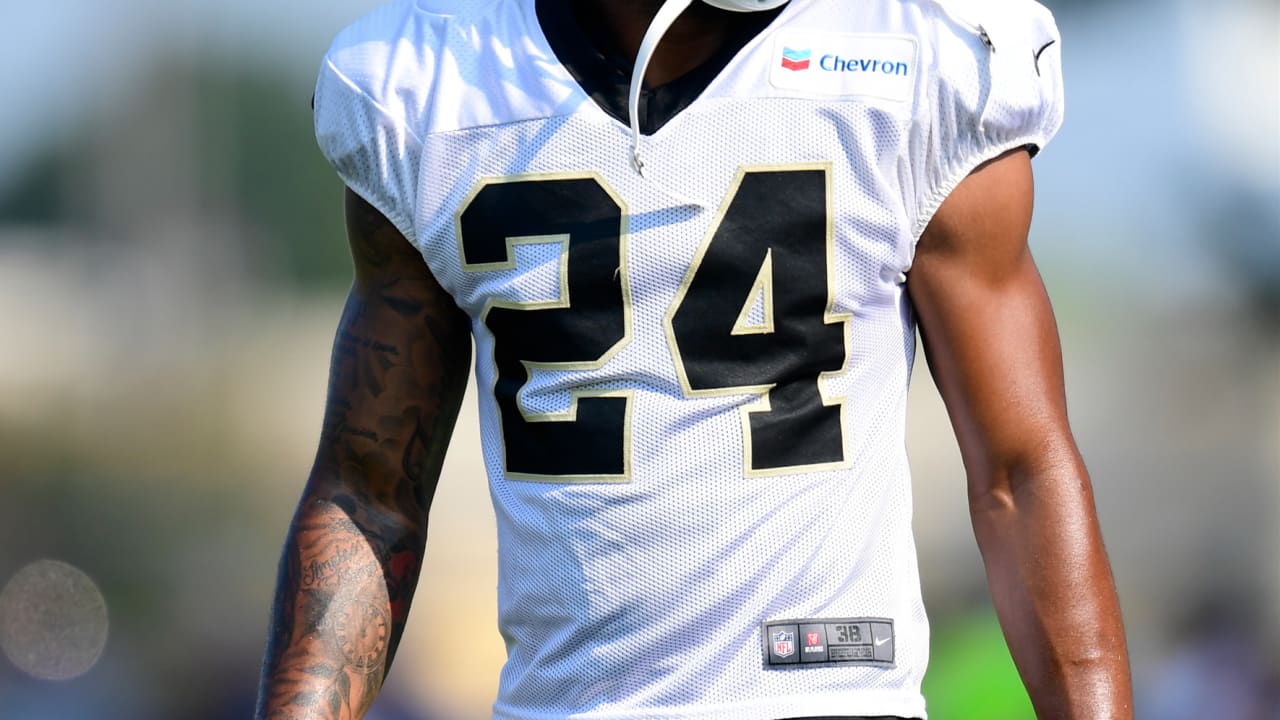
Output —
(637, 590)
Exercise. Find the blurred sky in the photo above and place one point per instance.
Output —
(1165, 98)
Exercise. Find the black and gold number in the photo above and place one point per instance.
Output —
(753, 317)
(585, 326)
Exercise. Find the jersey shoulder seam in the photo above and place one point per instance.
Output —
(402, 122)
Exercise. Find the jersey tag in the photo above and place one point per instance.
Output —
(845, 64)
(828, 641)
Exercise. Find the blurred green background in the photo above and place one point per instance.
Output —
(172, 265)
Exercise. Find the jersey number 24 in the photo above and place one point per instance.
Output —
(753, 317)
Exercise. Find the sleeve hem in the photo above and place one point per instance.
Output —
(399, 220)
(934, 199)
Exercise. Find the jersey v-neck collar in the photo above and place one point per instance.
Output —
(606, 76)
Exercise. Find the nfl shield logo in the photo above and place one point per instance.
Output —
(784, 643)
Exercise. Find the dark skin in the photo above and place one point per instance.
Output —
(691, 41)
(992, 346)
(354, 550)
(353, 553)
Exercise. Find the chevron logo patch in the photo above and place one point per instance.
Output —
(795, 60)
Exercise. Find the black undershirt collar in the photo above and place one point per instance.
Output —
(606, 76)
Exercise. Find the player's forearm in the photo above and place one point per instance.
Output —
(347, 577)
(1052, 588)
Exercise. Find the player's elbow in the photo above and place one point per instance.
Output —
(1007, 480)
(368, 492)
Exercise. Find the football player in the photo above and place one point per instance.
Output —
(692, 243)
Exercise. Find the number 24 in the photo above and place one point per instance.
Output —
(772, 240)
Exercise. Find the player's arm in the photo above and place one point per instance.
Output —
(354, 549)
(993, 349)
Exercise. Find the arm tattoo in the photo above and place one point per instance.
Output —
(337, 617)
(351, 561)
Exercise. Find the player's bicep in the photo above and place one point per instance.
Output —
(398, 370)
(987, 325)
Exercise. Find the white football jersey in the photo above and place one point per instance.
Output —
(693, 381)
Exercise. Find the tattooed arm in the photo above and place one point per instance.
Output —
(353, 552)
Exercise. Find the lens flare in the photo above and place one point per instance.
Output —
(53, 621)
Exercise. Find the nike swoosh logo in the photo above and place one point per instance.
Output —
(882, 641)
(1036, 57)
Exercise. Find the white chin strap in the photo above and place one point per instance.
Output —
(746, 5)
(662, 22)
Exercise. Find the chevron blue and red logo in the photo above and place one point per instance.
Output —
(795, 59)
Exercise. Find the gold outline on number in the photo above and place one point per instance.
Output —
(829, 317)
(762, 287)
(562, 302)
